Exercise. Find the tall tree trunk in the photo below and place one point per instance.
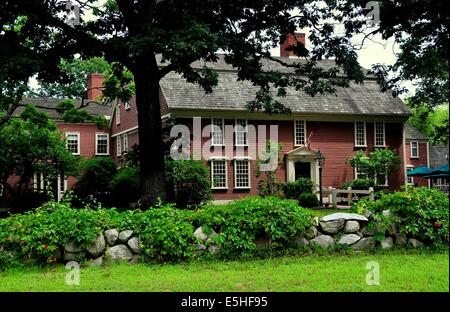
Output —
(146, 79)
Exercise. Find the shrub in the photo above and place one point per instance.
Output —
(419, 212)
(97, 172)
(187, 182)
(293, 190)
(308, 200)
(241, 222)
(125, 186)
(359, 184)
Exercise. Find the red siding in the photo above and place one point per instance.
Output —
(422, 161)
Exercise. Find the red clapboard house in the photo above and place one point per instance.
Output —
(360, 117)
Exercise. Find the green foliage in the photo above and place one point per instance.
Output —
(241, 222)
(380, 161)
(96, 174)
(70, 114)
(187, 182)
(359, 184)
(269, 184)
(124, 186)
(308, 200)
(293, 190)
(420, 212)
(432, 122)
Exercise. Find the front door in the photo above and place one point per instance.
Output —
(302, 170)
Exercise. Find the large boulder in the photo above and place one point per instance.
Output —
(111, 236)
(73, 256)
(387, 243)
(391, 229)
(401, 239)
(71, 247)
(324, 241)
(311, 232)
(119, 253)
(200, 234)
(133, 244)
(349, 239)
(96, 262)
(124, 236)
(332, 227)
(97, 247)
(343, 215)
(364, 243)
(351, 226)
(415, 243)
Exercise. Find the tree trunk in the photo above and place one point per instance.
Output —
(151, 158)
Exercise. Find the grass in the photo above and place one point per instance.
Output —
(399, 271)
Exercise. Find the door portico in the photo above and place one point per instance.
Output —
(303, 155)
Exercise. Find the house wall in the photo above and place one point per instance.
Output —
(334, 139)
(421, 161)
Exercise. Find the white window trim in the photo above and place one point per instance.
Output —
(236, 131)
(78, 139)
(385, 179)
(41, 183)
(127, 105)
(118, 114)
(212, 132)
(1, 190)
(212, 174)
(97, 134)
(249, 174)
(411, 149)
(119, 145)
(356, 173)
(125, 139)
(412, 178)
(365, 134)
(65, 184)
(295, 132)
(375, 134)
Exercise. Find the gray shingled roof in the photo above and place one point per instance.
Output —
(230, 94)
(48, 105)
(412, 133)
(438, 155)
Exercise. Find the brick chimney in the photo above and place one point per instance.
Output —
(291, 40)
(95, 85)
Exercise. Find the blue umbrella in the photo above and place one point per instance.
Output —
(420, 172)
(439, 170)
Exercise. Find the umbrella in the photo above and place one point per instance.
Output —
(420, 172)
(439, 170)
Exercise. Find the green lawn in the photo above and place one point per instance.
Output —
(399, 271)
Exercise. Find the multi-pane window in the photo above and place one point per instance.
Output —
(299, 132)
(241, 132)
(359, 172)
(73, 143)
(379, 130)
(102, 144)
(409, 179)
(360, 133)
(381, 179)
(217, 131)
(38, 182)
(414, 149)
(219, 174)
(119, 145)
(242, 174)
(125, 142)
(118, 115)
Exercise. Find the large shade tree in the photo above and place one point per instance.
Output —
(131, 33)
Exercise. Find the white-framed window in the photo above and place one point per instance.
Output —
(379, 133)
(125, 142)
(359, 174)
(1, 190)
(38, 182)
(73, 142)
(62, 183)
(219, 176)
(414, 149)
(101, 144)
(409, 180)
(127, 105)
(381, 179)
(360, 134)
(217, 131)
(241, 132)
(118, 145)
(299, 132)
(118, 114)
(241, 174)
